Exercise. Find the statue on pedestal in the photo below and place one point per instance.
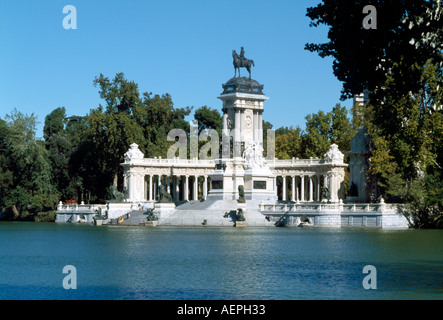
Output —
(242, 62)
(116, 196)
(164, 196)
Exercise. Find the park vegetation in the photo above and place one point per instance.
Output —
(400, 64)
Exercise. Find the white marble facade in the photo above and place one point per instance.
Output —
(300, 180)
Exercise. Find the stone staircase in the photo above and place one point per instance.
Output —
(211, 213)
(134, 218)
(195, 213)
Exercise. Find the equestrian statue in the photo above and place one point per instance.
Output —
(242, 62)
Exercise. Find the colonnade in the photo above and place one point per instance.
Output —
(300, 187)
(180, 187)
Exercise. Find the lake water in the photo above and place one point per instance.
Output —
(116, 262)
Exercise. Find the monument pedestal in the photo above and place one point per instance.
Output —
(164, 210)
(240, 224)
(151, 223)
(259, 184)
(226, 179)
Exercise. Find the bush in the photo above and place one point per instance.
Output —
(45, 216)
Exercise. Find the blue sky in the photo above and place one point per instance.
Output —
(178, 47)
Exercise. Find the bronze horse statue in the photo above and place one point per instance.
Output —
(242, 63)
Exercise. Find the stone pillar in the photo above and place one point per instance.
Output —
(302, 192)
(260, 127)
(293, 189)
(225, 124)
(284, 189)
(186, 189)
(311, 189)
(255, 125)
(237, 134)
(318, 188)
(242, 125)
(195, 188)
(151, 192)
(141, 187)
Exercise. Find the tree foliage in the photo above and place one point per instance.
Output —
(321, 130)
(25, 169)
(401, 64)
(408, 31)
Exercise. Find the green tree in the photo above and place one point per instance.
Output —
(316, 137)
(54, 122)
(109, 130)
(26, 182)
(288, 143)
(341, 131)
(60, 148)
(208, 119)
(400, 63)
(157, 116)
(407, 30)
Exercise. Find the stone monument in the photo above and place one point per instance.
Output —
(242, 162)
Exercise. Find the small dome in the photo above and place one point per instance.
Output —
(242, 84)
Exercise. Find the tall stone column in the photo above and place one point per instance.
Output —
(186, 188)
(237, 138)
(141, 187)
(260, 127)
(130, 186)
(293, 189)
(195, 187)
(302, 185)
(311, 189)
(284, 189)
(225, 124)
(255, 125)
(151, 191)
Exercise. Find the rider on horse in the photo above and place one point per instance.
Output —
(242, 62)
